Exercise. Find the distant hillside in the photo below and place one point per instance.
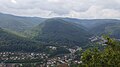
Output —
(68, 31)
(111, 28)
(99, 26)
(60, 32)
(89, 23)
(16, 23)
(12, 42)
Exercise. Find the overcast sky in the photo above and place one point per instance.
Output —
(95, 9)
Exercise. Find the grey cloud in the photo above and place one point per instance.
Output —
(50, 8)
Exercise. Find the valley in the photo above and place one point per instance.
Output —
(51, 41)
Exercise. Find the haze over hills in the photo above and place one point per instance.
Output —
(20, 24)
(57, 31)
(17, 23)
(112, 28)
(99, 26)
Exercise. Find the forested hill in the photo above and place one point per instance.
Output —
(17, 23)
(12, 42)
(94, 26)
(36, 31)
(59, 31)
(99, 26)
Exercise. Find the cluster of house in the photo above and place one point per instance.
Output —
(66, 60)
(99, 40)
(9, 65)
(58, 61)
(61, 60)
(118, 39)
(4, 56)
(52, 47)
(37, 65)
